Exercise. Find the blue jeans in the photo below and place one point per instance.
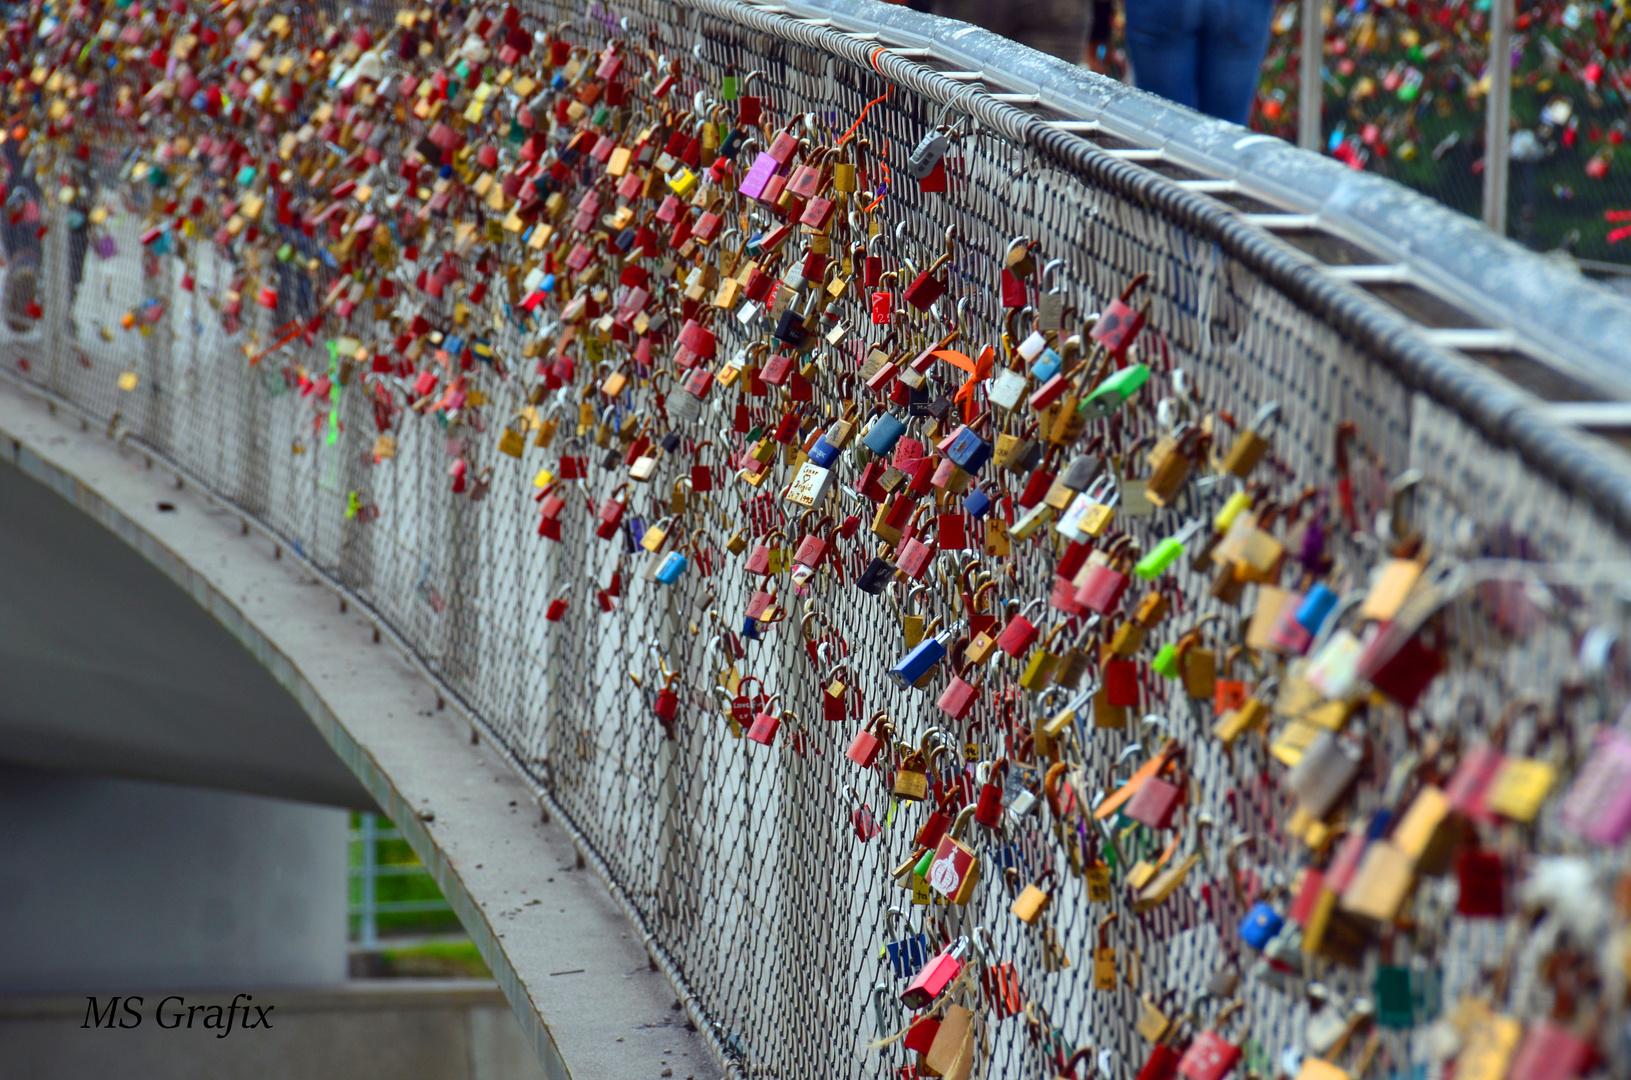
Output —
(1205, 54)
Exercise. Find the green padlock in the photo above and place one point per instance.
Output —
(1165, 553)
(1114, 391)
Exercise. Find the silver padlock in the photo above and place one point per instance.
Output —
(927, 153)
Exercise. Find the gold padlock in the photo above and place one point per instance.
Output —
(1033, 901)
(1251, 447)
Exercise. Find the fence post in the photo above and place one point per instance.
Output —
(1498, 116)
(1311, 86)
(368, 930)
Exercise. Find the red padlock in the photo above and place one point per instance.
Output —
(920, 1035)
(1161, 1065)
(1121, 683)
(777, 369)
(556, 610)
(861, 819)
(960, 696)
(1119, 326)
(870, 741)
(763, 560)
(1211, 1056)
(1020, 634)
(1482, 879)
(1154, 803)
(812, 550)
(611, 513)
(1399, 665)
(835, 697)
(767, 723)
(667, 705)
(988, 811)
(1101, 585)
(933, 978)
(883, 301)
(914, 558)
(743, 705)
(1551, 1051)
(939, 821)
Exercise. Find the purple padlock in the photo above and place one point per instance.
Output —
(764, 168)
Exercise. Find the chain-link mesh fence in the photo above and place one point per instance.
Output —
(757, 869)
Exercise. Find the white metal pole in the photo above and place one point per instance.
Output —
(1310, 84)
(1498, 116)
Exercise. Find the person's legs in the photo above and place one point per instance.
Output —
(1234, 37)
(1161, 42)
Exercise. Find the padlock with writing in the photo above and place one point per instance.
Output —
(1211, 1056)
(767, 722)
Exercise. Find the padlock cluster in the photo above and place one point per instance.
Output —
(691, 315)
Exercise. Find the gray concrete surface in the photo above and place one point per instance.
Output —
(560, 949)
(407, 1030)
(110, 884)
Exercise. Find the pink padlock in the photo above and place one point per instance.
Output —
(1598, 806)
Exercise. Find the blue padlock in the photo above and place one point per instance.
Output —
(908, 954)
(967, 450)
(1047, 366)
(1260, 925)
(884, 433)
(977, 504)
(674, 564)
(1316, 606)
(823, 453)
(928, 652)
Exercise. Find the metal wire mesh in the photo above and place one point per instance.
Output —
(743, 861)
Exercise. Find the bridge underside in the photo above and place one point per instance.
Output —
(108, 668)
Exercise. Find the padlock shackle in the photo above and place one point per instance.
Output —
(1132, 286)
(960, 826)
(1265, 413)
(1083, 1053)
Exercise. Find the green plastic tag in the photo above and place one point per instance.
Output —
(1112, 392)
(1156, 562)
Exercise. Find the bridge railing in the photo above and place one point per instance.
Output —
(759, 875)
